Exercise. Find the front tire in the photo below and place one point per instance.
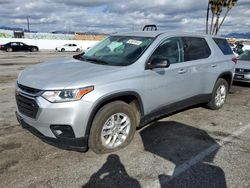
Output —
(113, 127)
(219, 95)
(34, 49)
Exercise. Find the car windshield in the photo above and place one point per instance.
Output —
(245, 56)
(117, 50)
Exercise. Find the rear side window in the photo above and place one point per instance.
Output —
(195, 48)
(223, 45)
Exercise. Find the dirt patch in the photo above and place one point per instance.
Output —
(11, 146)
(220, 133)
(11, 64)
(5, 166)
(7, 78)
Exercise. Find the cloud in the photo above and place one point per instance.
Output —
(115, 15)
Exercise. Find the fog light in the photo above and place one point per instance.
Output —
(62, 131)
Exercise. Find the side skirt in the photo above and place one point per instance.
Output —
(174, 107)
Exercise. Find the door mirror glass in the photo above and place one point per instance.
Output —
(158, 62)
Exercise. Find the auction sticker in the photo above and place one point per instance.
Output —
(134, 42)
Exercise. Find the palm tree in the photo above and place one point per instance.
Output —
(217, 11)
(216, 7)
(208, 10)
(229, 4)
(213, 9)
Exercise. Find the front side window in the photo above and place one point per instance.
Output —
(117, 50)
(170, 49)
(195, 48)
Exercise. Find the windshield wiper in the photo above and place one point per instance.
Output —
(99, 61)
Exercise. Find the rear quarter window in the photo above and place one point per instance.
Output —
(195, 48)
(223, 45)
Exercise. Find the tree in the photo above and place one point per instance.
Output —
(216, 7)
(229, 4)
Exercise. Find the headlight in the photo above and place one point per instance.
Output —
(67, 94)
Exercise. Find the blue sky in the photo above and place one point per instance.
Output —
(114, 15)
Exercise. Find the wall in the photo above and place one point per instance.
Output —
(45, 44)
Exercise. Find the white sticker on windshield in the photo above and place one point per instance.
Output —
(134, 42)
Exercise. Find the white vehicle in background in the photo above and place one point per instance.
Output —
(69, 48)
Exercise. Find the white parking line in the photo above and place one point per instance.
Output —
(188, 164)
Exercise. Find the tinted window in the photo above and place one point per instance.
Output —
(170, 49)
(245, 56)
(195, 48)
(14, 44)
(223, 45)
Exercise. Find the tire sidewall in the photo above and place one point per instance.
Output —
(9, 50)
(217, 85)
(101, 117)
(34, 49)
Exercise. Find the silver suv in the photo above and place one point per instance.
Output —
(99, 98)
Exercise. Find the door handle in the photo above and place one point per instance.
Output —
(214, 65)
(182, 71)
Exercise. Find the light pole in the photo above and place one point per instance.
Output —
(28, 23)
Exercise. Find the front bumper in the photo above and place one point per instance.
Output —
(242, 77)
(77, 144)
(60, 124)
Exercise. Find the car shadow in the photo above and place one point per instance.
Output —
(242, 84)
(112, 174)
(179, 143)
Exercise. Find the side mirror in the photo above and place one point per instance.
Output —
(158, 62)
(78, 56)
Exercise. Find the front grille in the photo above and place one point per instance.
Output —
(239, 70)
(28, 89)
(27, 106)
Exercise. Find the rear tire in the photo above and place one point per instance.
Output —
(62, 50)
(219, 95)
(113, 127)
(78, 50)
(9, 50)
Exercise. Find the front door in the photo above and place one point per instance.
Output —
(165, 86)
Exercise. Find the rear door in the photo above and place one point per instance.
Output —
(14, 46)
(197, 63)
(71, 47)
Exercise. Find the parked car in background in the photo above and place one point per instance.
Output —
(18, 46)
(69, 48)
(98, 99)
(238, 49)
(242, 70)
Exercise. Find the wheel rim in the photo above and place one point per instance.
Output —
(115, 130)
(220, 95)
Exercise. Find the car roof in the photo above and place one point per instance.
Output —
(154, 34)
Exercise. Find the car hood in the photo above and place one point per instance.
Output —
(243, 64)
(65, 73)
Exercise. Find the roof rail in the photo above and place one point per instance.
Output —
(152, 27)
